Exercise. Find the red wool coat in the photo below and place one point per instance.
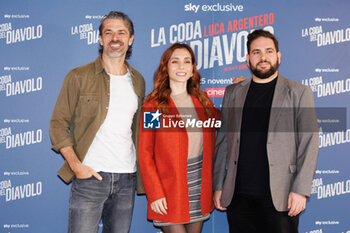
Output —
(163, 157)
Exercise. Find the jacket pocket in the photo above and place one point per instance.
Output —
(88, 105)
(292, 168)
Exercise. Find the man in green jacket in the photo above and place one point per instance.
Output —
(94, 126)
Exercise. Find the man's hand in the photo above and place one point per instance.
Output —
(296, 203)
(84, 172)
(80, 170)
(160, 206)
(217, 199)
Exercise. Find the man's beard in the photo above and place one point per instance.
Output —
(264, 74)
(113, 52)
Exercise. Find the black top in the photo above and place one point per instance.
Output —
(253, 168)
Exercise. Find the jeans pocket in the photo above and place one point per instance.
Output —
(88, 178)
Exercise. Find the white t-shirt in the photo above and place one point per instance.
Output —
(112, 149)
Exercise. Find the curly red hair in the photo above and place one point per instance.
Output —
(161, 92)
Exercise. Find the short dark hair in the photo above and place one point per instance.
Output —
(261, 33)
(128, 23)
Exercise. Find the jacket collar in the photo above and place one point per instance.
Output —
(99, 69)
(98, 65)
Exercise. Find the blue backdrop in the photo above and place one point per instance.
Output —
(40, 41)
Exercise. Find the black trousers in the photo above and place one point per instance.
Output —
(248, 214)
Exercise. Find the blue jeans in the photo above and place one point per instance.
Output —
(111, 199)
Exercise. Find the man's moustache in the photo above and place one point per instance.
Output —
(116, 42)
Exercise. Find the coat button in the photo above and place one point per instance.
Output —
(235, 162)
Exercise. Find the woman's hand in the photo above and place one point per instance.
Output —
(238, 79)
(160, 206)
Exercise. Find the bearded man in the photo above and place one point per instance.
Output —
(266, 150)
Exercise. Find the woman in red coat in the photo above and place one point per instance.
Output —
(176, 144)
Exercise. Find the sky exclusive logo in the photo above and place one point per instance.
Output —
(218, 7)
(16, 226)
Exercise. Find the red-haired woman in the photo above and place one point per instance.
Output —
(176, 159)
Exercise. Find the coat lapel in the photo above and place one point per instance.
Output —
(236, 110)
(279, 96)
